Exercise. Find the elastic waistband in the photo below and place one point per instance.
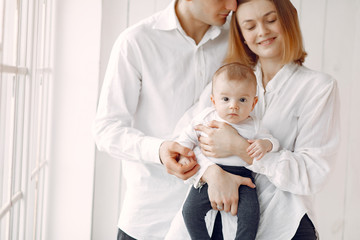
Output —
(241, 171)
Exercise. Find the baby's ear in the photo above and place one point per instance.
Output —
(212, 99)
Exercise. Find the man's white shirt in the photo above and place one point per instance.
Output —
(155, 74)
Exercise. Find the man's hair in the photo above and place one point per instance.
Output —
(293, 43)
(235, 71)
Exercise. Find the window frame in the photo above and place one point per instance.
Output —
(26, 50)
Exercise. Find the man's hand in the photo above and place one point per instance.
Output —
(170, 152)
(223, 188)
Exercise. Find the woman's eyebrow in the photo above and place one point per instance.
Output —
(266, 14)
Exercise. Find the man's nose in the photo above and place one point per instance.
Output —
(231, 5)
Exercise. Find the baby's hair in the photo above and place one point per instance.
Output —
(236, 71)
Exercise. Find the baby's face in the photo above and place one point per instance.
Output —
(234, 100)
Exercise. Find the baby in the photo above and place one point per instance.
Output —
(233, 97)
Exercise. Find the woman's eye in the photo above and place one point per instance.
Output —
(242, 99)
(250, 27)
(225, 99)
(271, 20)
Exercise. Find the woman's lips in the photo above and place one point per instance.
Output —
(267, 41)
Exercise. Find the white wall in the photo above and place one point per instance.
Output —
(74, 94)
(352, 138)
(108, 184)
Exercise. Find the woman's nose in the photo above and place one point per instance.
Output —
(263, 30)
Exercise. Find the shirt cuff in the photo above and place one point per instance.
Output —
(197, 180)
(150, 147)
(260, 166)
(275, 144)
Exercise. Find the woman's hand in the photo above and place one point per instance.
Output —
(222, 141)
(223, 188)
(170, 153)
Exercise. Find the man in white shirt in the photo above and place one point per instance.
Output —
(157, 71)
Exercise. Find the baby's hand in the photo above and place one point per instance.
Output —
(258, 148)
(184, 160)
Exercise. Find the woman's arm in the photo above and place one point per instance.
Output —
(304, 169)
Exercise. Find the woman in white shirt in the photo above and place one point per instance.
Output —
(299, 106)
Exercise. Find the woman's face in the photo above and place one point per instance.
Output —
(261, 28)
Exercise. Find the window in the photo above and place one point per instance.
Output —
(25, 79)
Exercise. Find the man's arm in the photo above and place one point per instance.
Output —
(113, 130)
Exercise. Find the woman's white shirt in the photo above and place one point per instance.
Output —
(300, 107)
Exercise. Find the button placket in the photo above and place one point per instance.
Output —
(200, 72)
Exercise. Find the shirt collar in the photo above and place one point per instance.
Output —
(169, 21)
(215, 31)
(279, 79)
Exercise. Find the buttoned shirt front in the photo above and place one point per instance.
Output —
(300, 108)
(155, 74)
